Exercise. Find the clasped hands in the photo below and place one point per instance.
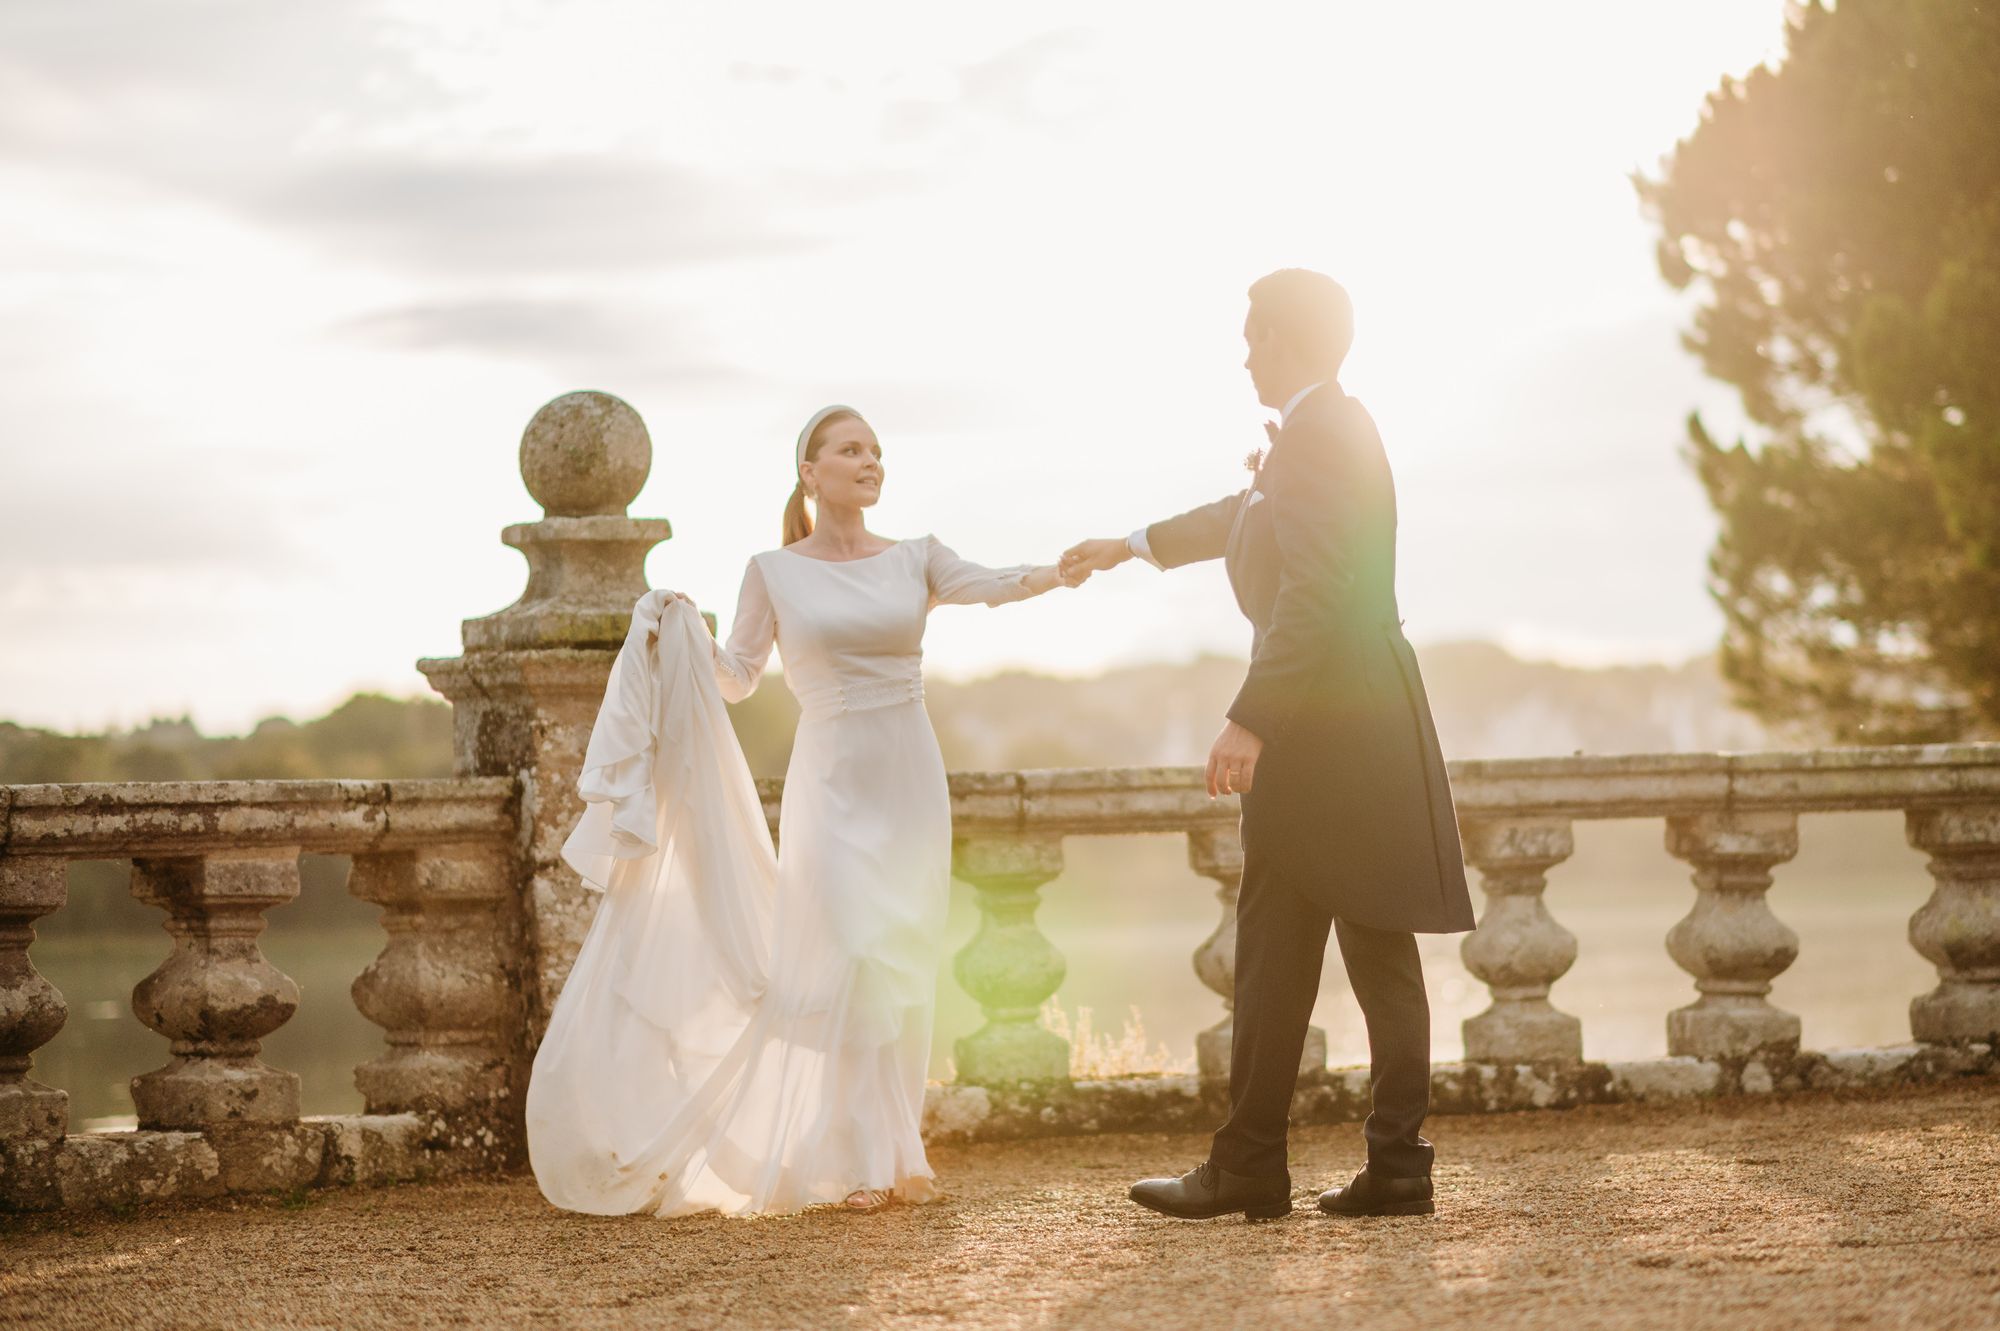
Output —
(1088, 557)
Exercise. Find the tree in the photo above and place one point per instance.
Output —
(1840, 215)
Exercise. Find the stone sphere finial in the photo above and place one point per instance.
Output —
(585, 453)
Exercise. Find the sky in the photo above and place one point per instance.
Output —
(280, 285)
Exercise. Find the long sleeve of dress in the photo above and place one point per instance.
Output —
(956, 581)
(740, 662)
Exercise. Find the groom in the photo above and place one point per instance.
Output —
(1347, 817)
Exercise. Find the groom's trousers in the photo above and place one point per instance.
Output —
(1281, 934)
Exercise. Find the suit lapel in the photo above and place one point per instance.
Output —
(1242, 511)
(1319, 397)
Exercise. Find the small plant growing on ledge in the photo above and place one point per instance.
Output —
(1092, 1055)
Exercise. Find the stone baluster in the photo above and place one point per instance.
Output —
(31, 1009)
(1008, 965)
(1519, 949)
(441, 986)
(215, 996)
(1958, 929)
(1731, 942)
(1218, 853)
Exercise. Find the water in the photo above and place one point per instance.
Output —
(1127, 914)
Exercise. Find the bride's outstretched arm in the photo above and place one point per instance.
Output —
(956, 581)
(739, 662)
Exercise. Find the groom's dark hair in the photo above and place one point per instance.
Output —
(1308, 311)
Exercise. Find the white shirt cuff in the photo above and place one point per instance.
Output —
(1140, 546)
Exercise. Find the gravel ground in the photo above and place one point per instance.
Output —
(1822, 1210)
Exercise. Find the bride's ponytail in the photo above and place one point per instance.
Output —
(798, 522)
(798, 519)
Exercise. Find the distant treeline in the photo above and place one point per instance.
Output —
(368, 737)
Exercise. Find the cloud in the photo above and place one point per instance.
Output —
(1016, 84)
(542, 215)
(1038, 84)
(173, 89)
(575, 338)
(630, 348)
(316, 122)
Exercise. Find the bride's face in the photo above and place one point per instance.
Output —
(847, 470)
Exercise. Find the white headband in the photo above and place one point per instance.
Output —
(805, 435)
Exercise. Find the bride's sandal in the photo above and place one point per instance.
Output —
(867, 1199)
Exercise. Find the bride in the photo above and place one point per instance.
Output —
(745, 1031)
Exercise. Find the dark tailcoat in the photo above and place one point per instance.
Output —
(1350, 801)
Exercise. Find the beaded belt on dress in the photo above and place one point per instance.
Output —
(860, 696)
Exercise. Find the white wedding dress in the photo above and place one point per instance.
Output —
(747, 1032)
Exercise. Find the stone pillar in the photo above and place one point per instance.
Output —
(1958, 929)
(1218, 853)
(1518, 949)
(1731, 942)
(527, 689)
(441, 986)
(1008, 965)
(215, 996)
(31, 1009)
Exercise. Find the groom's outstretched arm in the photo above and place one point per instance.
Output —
(1198, 534)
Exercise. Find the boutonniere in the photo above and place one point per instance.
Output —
(1254, 462)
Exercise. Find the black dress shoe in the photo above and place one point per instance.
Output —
(1205, 1192)
(1369, 1195)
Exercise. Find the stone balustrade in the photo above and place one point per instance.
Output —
(215, 857)
(1734, 819)
(456, 983)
